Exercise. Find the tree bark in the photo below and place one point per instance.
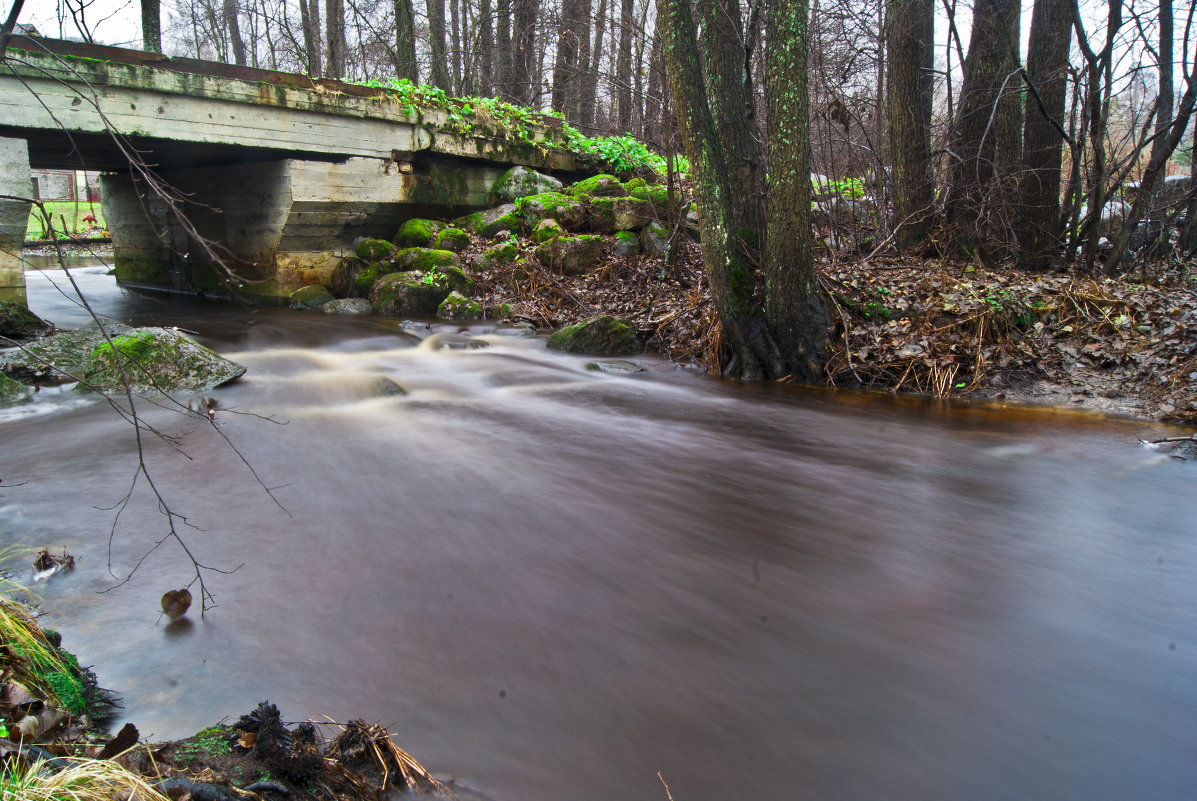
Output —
(229, 8)
(486, 65)
(334, 23)
(571, 30)
(523, 50)
(1040, 223)
(309, 20)
(909, 45)
(405, 42)
(151, 26)
(623, 67)
(983, 123)
(436, 44)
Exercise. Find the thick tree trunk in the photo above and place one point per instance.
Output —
(436, 43)
(334, 22)
(503, 52)
(623, 67)
(566, 72)
(909, 43)
(588, 102)
(405, 42)
(456, 59)
(1163, 113)
(151, 26)
(486, 44)
(524, 56)
(983, 123)
(1040, 225)
(309, 20)
(237, 45)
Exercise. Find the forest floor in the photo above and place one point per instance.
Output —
(943, 328)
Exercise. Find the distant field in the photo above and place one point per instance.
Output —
(73, 214)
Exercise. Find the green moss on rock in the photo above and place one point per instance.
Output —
(452, 239)
(597, 186)
(503, 253)
(12, 390)
(490, 222)
(20, 324)
(654, 239)
(416, 294)
(458, 307)
(572, 255)
(417, 233)
(163, 359)
(567, 211)
(519, 182)
(610, 214)
(425, 260)
(371, 250)
(546, 230)
(605, 335)
(626, 244)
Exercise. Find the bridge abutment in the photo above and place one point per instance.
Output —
(277, 225)
(15, 181)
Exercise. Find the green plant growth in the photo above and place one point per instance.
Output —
(209, 742)
(37, 663)
(65, 213)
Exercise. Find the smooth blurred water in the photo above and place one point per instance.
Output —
(554, 583)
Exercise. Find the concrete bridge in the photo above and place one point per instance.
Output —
(280, 171)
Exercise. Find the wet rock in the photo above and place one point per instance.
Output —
(616, 367)
(310, 297)
(447, 341)
(62, 357)
(158, 359)
(571, 255)
(20, 324)
(346, 306)
(415, 293)
(520, 182)
(387, 388)
(604, 335)
(458, 307)
(11, 390)
(515, 330)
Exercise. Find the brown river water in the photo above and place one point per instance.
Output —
(554, 583)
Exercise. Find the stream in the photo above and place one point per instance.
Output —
(552, 583)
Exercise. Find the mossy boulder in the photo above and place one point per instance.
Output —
(503, 253)
(654, 239)
(425, 260)
(20, 324)
(371, 250)
(490, 222)
(417, 233)
(572, 255)
(606, 215)
(656, 195)
(12, 390)
(605, 335)
(597, 186)
(158, 359)
(452, 239)
(347, 306)
(625, 244)
(310, 297)
(546, 230)
(566, 210)
(415, 294)
(521, 182)
(58, 358)
(458, 307)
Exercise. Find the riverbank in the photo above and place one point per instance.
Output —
(949, 329)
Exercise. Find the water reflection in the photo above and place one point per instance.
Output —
(555, 583)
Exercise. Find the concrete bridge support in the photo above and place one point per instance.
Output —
(277, 225)
(14, 217)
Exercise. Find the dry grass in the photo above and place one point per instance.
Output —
(82, 780)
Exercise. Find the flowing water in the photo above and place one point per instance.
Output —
(554, 583)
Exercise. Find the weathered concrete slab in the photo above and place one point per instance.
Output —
(14, 218)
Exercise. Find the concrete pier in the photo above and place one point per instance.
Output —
(14, 217)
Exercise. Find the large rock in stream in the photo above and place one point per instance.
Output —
(604, 335)
(20, 324)
(157, 359)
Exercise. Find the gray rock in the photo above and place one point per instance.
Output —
(310, 297)
(654, 239)
(604, 335)
(20, 324)
(386, 387)
(626, 244)
(158, 359)
(347, 306)
(521, 182)
(572, 255)
(515, 330)
(616, 367)
(62, 357)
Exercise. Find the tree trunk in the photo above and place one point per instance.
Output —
(486, 65)
(456, 56)
(909, 44)
(983, 122)
(748, 295)
(309, 20)
(405, 42)
(566, 72)
(334, 22)
(523, 50)
(623, 67)
(588, 102)
(234, 25)
(1040, 224)
(436, 43)
(503, 53)
(1163, 113)
(151, 26)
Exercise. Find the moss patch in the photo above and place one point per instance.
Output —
(453, 239)
(458, 307)
(605, 335)
(417, 233)
(162, 359)
(374, 250)
(597, 186)
(17, 322)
